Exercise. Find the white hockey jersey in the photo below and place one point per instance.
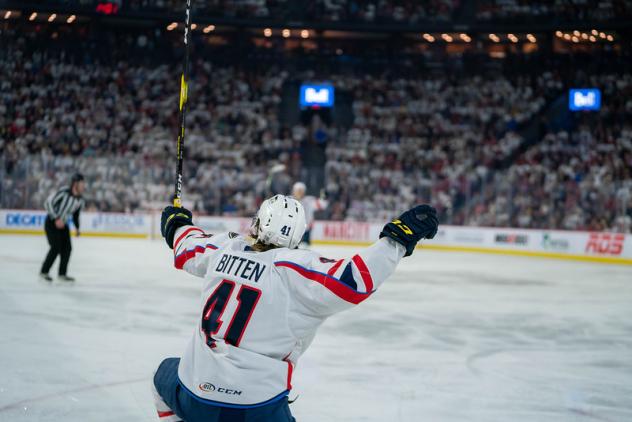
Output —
(260, 310)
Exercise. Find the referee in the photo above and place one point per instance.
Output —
(60, 206)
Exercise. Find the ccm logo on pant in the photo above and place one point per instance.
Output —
(209, 388)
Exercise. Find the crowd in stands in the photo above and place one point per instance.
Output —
(383, 11)
(396, 11)
(452, 140)
(421, 138)
(566, 10)
(239, 9)
(352, 11)
(581, 180)
(403, 12)
(117, 122)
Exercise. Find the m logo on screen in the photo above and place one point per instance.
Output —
(317, 96)
(605, 243)
(585, 99)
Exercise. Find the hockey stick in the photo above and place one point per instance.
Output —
(277, 168)
(184, 89)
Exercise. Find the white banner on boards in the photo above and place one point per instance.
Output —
(542, 242)
(92, 223)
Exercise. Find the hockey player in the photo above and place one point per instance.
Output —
(261, 304)
(311, 204)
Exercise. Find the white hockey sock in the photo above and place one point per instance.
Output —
(165, 414)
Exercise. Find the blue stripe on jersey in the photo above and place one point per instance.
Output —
(232, 405)
(347, 277)
(197, 249)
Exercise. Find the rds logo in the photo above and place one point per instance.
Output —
(209, 388)
(606, 243)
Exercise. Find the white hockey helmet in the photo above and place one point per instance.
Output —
(299, 186)
(280, 221)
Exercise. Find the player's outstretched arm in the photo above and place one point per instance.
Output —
(325, 286)
(191, 246)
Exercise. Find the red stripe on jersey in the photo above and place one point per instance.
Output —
(187, 231)
(182, 259)
(290, 368)
(332, 284)
(165, 414)
(335, 267)
(364, 272)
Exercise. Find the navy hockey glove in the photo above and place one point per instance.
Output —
(415, 224)
(171, 220)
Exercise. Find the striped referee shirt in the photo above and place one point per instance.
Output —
(63, 204)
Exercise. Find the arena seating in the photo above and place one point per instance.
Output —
(561, 11)
(452, 140)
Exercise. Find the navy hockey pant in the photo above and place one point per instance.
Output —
(182, 405)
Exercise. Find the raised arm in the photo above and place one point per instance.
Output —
(324, 286)
(192, 248)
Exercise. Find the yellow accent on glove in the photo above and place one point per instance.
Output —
(172, 216)
(403, 227)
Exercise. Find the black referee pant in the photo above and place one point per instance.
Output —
(59, 241)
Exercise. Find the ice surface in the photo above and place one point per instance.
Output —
(450, 337)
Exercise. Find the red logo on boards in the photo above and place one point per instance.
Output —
(346, 231)
(605, 243)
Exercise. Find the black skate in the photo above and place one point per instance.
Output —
(45, 277)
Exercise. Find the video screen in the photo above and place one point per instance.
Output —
(317, 95)
(584, 99)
